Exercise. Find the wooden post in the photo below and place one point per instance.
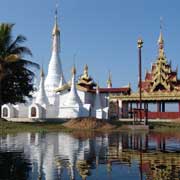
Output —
(163, 107)
(146, 112)
(117, 108)
(137, 105)
(122, 110)
(158, 106)
(131, 113)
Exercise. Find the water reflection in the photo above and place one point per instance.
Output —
(90, 156)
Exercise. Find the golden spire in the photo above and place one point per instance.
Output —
(109, 81)
(85, 74)
(161, 40)
(73, 71)
(86, 68)
(56, 29)
(42, 72)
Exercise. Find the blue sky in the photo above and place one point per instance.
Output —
(103, 33)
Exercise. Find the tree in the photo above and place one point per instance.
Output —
(16, 78)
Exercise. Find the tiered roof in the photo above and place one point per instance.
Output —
(161, 82)
(85, 80)
(86, 83)
(161, 77)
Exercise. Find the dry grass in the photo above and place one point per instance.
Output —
(16, 127)
(88, 123)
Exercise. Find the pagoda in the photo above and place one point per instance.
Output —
(55, 77)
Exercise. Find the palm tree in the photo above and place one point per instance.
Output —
(13, 67)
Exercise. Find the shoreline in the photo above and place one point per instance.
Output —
(118, 126)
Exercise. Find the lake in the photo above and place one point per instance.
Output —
(89, 155)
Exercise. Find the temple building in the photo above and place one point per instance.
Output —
(161, 86)
(57, 98)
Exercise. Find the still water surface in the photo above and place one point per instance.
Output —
(116, 156)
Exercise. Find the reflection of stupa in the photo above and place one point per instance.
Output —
(83, 169)
(60, 155)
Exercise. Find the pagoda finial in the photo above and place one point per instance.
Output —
(73, 71)
(86, 68)
(161, 43)
(42, 72)
(56, 27)
(109, 81)
(85, 75)
(161, 40)
(56, 11)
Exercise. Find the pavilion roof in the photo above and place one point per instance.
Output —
(150, 96)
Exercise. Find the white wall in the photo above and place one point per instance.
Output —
(23, 110)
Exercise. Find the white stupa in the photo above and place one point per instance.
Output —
(97, 109)
(41, 97)
(72, 107)
(73, 97)
(55, 73)
(97, 101)
(61, 83)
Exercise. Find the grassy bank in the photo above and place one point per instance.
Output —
(87, 125)
(165, 126)
(156, 126)
(13, 127)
